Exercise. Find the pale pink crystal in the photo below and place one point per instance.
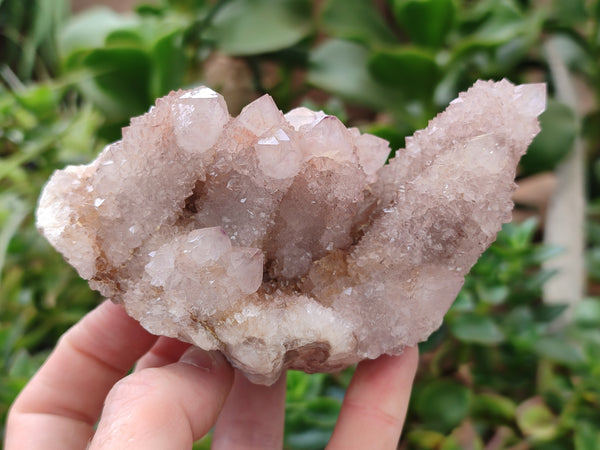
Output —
(283, 240)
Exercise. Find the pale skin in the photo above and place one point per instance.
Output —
(83, 398)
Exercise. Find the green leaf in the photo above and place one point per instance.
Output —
(78, 145)
(558, 349)
(443, 404)
(572, 51)
(45, 16)
(493, 405)
(203, 444)
(593, 228)
(493, 295)
(520, 328)
(427, 22)
(544, 253)
(168, 64)
(356, 19)
(25, 365)
(536, 281)
(519, 236)
(496, 38)
(411, 71)
(554, 142)
(587, 436)
(434, 340)
(470, 327)
(395, 135)
(125, 37)
(570, 12)
(42, 99)
(13, 211)
(502, 22)
(464, 436)
(250, 27)
(120, 88)
(548, 313)
(464, 302)
(509, 54)
(302, 387)
(322, 411)
(536, 420)
(339, 67)
(592, 260)
(147, 32)
(587, 313)
(10, 334)
(425, 438)
(89, 30)
(128, 62)
(590, 339)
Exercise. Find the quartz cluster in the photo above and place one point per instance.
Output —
(286, 241)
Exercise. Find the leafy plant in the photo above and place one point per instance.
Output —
(499, 371)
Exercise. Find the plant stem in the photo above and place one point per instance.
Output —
(566, 211)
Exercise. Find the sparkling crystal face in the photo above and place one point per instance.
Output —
(284, 240)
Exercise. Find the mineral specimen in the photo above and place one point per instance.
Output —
(285, 241)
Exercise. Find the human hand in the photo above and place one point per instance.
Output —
(177, 393)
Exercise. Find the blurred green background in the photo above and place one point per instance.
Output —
(507, 370)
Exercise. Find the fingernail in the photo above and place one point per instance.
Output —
(202, 359)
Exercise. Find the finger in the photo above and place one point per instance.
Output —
(374, 408)
(168, 407)
(61, 404)
(166, 351)
(252, 417)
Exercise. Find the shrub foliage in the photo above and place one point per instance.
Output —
(500, 373)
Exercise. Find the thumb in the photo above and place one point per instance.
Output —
(168, 407)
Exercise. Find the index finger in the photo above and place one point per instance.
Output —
(62, 402)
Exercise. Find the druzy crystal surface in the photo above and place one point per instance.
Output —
(285, 241)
